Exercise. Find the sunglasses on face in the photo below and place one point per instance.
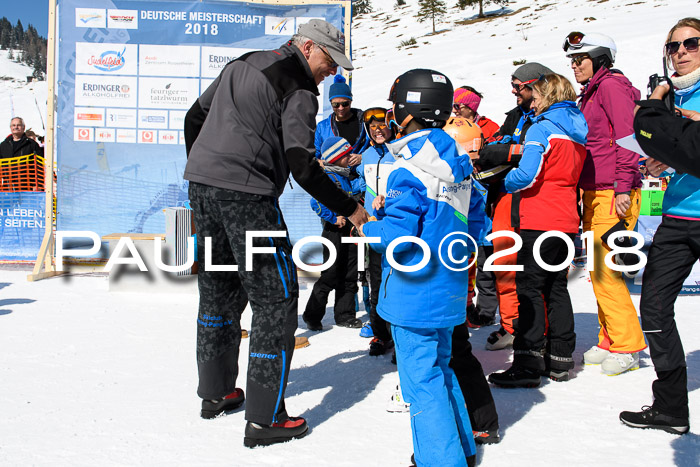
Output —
(519, 86)
(335, 105)
(690, 44)
(329, 59)
(456, 107)
(376, 113)
(573, 41)
(578, 59)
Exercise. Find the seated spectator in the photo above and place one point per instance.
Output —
(466, 103)
(17, 143)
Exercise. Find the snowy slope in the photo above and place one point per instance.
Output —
(93, 378)
(19, 98)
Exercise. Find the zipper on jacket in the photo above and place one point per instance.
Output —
(386, 282)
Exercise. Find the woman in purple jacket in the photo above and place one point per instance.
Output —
(611, 183)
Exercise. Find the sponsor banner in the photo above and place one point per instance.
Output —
(148, 136)
(121, 118)
(87, 116)
(182, 138)
(105, 135)
(101, 91)
(279, 26)
(166, 60)
(90, 18)
(167, 137)
(123, 19)
(22, 224)
(214, 59)
(177, 119)
(83, 134)
(167, 93)
(106, 59)
(126, 136)
(153, 119)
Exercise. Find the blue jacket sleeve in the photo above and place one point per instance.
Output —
(323, 212)
(358, 185)
(524, 175)
(479, 224)
(403, 212)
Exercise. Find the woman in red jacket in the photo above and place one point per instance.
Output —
(611, 184)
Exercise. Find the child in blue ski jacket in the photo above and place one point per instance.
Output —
(428, 197)
(342, 275)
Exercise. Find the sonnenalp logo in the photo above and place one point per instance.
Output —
(110, 60)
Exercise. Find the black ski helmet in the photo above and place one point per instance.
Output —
(426, 95)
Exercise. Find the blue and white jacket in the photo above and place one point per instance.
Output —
(682, 196)
(428, 196)
(377, 163)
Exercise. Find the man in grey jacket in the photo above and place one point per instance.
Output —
(244, 135)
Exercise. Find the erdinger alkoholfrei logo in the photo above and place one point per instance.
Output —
(109, 61)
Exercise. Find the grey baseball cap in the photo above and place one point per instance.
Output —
(530, 71)
(325, 34)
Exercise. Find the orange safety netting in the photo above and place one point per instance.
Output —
(24, 173)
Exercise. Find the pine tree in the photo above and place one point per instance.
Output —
(360, 7)
(433, 10)
(19, 34)
(462, 4)
(10, 55)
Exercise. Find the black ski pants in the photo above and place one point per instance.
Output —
(487, 298)
(674, 251)
(472, 382)
(271, 287)
(540, 293)
(341, 277)
(380, 328)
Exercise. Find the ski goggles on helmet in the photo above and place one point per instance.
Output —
(573, 41)
(690, 44)
(375, 113)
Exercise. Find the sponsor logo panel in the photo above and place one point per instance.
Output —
(106, 59)
(153, 119)
(101, 91)
(205, 83)
(177, 120)
(88, 116)
(90, 18)
(279, 26)
(122, 19)
(122, 118)
(182, 138)
(126, 136)
(168, 93)
(214, 59)
(105, 135)
(83, 134)
(148, 136)
(168, 60)
(167, 137)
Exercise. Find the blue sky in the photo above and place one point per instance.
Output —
(34, 12)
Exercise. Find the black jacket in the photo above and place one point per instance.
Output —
(26, 146)
(254, 124)
(672, 140)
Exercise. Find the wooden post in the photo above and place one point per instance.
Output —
(44, 266)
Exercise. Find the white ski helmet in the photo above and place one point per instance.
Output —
(594, 44)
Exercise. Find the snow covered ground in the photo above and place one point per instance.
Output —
(89, 377)
(19, 98)
(93, 378)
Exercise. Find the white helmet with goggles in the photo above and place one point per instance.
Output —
(594, 44)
